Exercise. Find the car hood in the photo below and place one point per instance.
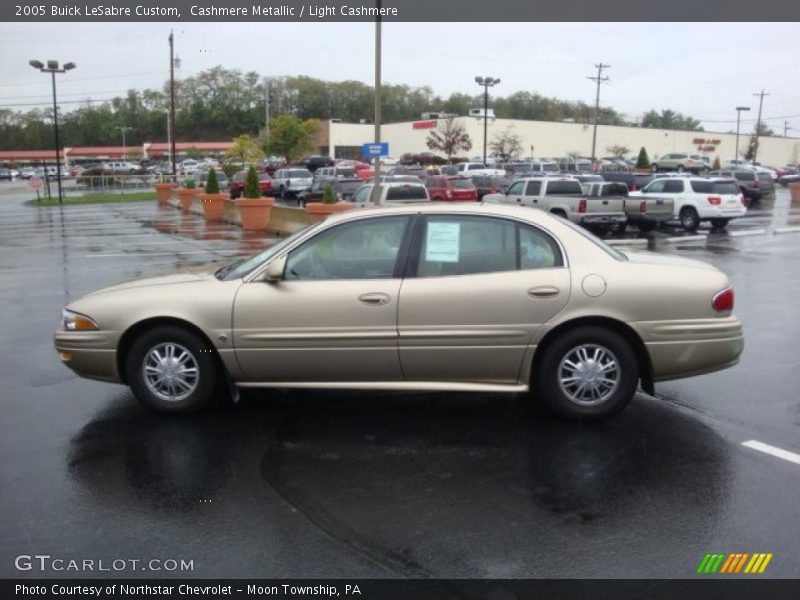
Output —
(650, 258)
(193, 275)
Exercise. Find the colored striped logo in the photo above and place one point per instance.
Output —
(738, 562)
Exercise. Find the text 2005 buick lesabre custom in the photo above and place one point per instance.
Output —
(416, 297)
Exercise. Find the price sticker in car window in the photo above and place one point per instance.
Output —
(442, 242)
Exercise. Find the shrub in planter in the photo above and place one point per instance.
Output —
(329, 196)
(186, 194)
(212, 184)
(716, 166)
(255, 211)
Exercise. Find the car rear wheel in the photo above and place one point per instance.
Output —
(619, 228)
(171, 370)
(719, 223)
(587, 373)
(689, 219)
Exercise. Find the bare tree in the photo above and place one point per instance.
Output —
(506, 144)
(449, 138)
(618, 151)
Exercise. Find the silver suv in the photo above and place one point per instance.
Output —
(679, 162)
(291, 181)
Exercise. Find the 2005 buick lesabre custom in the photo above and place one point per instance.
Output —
(417, 297)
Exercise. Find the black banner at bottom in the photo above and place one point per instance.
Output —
(403, 589)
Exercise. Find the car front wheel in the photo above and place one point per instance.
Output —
(171, 370)
(587, 373)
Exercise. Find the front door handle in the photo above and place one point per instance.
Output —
(544, 291)
(374, 299)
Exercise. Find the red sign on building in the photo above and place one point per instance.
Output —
(424, 124)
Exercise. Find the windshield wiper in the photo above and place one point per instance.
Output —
(222, 272)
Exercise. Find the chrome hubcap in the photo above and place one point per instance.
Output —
(170, 372)
(589, 374)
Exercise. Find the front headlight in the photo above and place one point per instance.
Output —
(76, 322)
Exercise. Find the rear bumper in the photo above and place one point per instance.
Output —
(686, 348)
(611, 219)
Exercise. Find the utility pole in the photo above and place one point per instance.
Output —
(599, 79)
(739, 110)
(123, 129)
(758, 122)
(172, 99)
(786, 128)
(376, 187)
(266, 108)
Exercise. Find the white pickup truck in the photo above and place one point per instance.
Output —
(563, 196)
(468, 169)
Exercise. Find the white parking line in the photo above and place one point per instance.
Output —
(745, 232)
(686, 238)
(786, 229)
(639, 242)
(773, 451)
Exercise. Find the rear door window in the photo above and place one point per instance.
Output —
(533, 188)
(673, 186)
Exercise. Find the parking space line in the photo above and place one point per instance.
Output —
(747, 232)
(686, 238)
(773, 451)
(637, 242)
(786, 229)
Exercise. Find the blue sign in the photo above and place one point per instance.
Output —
(380, 149)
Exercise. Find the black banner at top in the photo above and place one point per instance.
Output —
(398, 10)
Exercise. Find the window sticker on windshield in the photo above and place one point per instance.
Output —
(442, 242)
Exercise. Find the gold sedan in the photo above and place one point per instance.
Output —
(417, 297)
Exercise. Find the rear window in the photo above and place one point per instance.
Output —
(744, 176)
(299, 173)
(462, 184)
(550, 167)
(615, 189)
(346, 172)
(702, 187)
(725, 187)
(570, 187)
(348, 187)
(406, 192)
(765, 177)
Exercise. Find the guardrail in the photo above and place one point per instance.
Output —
(114, 183)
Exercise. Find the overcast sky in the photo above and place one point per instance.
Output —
(703, 70)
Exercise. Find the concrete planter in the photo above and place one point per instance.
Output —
(318, 211)
(794, 190)
(163, 192)
(254, 212)
(186, 196)
(213, 206)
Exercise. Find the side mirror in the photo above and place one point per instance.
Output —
(275, 269)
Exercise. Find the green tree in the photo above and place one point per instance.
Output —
(669, 119)
(716, 166)
(643, 161)
(449, 138)
(193, 152)
(290, 137)
(752, 147)
(252, 189)
(245, 150)
(212, 184)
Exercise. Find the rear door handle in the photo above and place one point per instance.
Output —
(544, 291)
(374, 299)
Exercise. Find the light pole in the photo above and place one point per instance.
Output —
(486, 82)
(739, 110)
(53, 68)
(123, 129)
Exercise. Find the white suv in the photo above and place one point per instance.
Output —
(697, 199)
(291, 181)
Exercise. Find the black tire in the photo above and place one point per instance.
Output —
(646, 226)
(689, 218)
(619, 228)
(283, 193)
(720, 223)
(559, 213)
(201, 355)
(547, 385)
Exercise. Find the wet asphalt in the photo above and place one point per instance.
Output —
(345, 484)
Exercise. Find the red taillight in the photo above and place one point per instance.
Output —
(715, 200)
(582, 205)
(756, 184)
(723, 301)
(742, 200)
(492, 190)
(643, 206)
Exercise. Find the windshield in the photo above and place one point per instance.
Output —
(302, 173)
(242, 267)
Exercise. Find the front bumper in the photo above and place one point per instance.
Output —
(90, 354)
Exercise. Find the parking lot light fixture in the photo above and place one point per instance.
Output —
(53, 68)
(739, 110)
(486, 83)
